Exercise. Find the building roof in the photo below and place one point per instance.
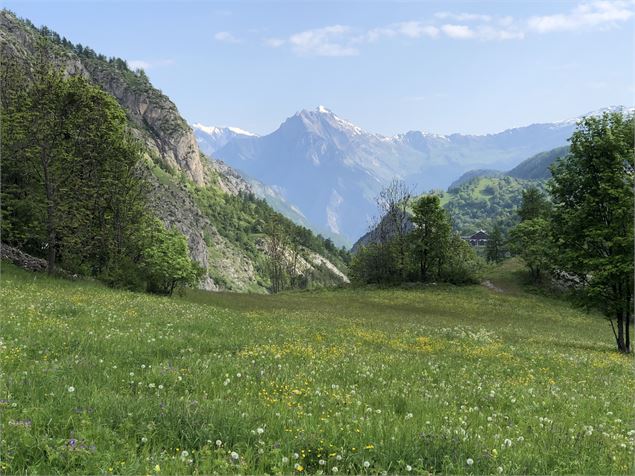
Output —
(479, 235)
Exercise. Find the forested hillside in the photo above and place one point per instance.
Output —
(62, 87)
(483, 198)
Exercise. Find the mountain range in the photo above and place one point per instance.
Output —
(330, 170)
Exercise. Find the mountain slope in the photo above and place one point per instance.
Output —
(223, 240)
(537, 167)
(332, 169)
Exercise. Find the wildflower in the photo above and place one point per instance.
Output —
(234, 456)
(334, 470)
(260, 431)
(296, 455)
(219, 443)
(507, 442)
(409, 416)
(470, 461)
(500, 469)
(161, 387)
(338, 457)
(408, 468)
(157, 468)
(321, 462)
(71, 389)
(366, 464)
(144, 440)
(298, 467)
(184, 454)
(285, 460)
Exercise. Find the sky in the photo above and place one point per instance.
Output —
(389, 67)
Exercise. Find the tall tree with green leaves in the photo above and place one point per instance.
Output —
(71, 184)
(430, 237)
(530, 240)
(496, 247)
(592, 225)
(534, 205)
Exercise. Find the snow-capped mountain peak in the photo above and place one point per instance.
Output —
(211, 138)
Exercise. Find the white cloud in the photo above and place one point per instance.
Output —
(226, 37)
(149, 64)
(599, 14)
(461, 32)
(328, 41)
(341, 40)
(463, 16)
(414, 29)
(274, 42)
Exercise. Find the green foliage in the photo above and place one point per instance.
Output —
(434, 252)
(430, 238)
(592, 225)
(496, 248)
(165, 262)
(534, 205)
(485, 202)
(247, 220)
(537, 167)
(531, 241)
(375, 264)
(461, 265)
(71, 186)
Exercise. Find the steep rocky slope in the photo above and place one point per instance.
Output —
(178, 169)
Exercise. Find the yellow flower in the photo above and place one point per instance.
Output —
(157, 468)
(300, 468)
(369, 447)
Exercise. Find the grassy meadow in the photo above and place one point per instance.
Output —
(434, 379)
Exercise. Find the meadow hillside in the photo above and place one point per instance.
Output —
(430, 379)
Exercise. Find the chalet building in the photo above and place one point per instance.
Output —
(478, 239)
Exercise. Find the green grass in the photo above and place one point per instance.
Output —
(424, 378)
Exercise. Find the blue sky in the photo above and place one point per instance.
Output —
(389, 67)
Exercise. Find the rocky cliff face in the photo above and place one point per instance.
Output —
(175, 163)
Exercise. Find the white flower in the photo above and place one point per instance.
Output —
(500, 469)
(71, 389)
(219, 443)
(144, 440)
(334, 470)
(260, 431)
(285, 460)
(321, 462)
(143, 366)
(408, 468)
(507, 442)
(338, 457)
(366, 464)
(296, 455)
(184, 454)
(234, 456)
(161, 387)
(409, 416)
(470, 461)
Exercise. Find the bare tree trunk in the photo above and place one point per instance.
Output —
(50, 216)
(627, 324)
(620, 332)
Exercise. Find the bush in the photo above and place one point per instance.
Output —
(166, 263)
